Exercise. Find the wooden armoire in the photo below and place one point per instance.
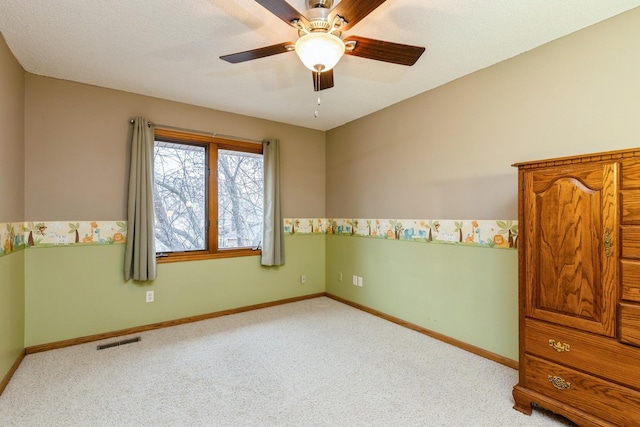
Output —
(579, 287)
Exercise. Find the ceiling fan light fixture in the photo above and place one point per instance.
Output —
(320, 51)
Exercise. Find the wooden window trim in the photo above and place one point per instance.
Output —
(213, 144)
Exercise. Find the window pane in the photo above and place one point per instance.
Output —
(240, 199)
(180, 203)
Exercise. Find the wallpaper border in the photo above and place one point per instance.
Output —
(499, 234)
(42, 234)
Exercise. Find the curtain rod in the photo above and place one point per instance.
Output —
(220, 135)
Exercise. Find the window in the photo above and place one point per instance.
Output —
(208, 196)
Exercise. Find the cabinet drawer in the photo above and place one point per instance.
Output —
(630, 173)
(630, 241)
(630, 324)
(630, 279)
(630, 207)
(603, 399)
(604, 357)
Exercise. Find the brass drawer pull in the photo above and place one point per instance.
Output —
(559, 347)
(607, 242)
(559, 383)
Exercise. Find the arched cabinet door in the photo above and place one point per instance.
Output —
(571, 236)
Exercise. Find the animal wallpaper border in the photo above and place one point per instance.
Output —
(502, 234)
(42, 234)
(499, 234)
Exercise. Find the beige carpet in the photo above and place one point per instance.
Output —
(311, 363)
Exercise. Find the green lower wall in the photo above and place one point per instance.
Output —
(73, 292)
(466, 293)
(470, 294)
(11, 309)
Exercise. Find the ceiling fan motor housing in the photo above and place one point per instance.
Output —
(313, 4)
(318, 17)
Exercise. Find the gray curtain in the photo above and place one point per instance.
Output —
(273, 234)
(140, 255)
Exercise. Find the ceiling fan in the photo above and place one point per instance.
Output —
(321, 44)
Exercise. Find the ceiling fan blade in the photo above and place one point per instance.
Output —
(353, 11)
(379, 50)
(283, 10)
(323, 80)
(261, 52)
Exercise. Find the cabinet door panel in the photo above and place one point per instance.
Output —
(571, 263)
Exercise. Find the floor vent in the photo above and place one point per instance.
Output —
(118, 343)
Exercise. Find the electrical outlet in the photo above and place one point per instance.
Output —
(339, 277)
(303, 279)
(354, 280)
(150, 296)
(359, 281)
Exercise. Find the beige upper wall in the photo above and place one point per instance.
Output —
(446, 154)
(77, 140)
(11, 136)
(12, 295)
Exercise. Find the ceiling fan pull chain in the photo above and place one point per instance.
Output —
(317, 112)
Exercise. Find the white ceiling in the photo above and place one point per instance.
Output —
(170, 49)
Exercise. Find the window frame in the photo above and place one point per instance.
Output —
(212, 144)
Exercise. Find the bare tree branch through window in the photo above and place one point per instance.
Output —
(181, 196)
